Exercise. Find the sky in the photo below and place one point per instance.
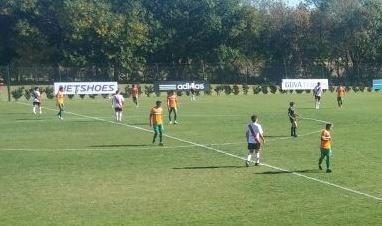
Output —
(293, 2)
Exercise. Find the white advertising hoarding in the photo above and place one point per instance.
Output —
(87, 87)
(303, 84)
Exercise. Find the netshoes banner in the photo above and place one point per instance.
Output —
(181, 86)
(87, 87)
(377, 84)
(303, 84)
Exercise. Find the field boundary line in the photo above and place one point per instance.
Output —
(228, 154)
(316, 120)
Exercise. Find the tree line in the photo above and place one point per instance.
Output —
(222, 40)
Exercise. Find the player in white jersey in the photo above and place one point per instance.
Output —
(254, 135)
(118, 101)
(36, 100)
(317, 92)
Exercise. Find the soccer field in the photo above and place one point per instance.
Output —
(88, 170)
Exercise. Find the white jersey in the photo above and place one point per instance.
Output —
(36, 96)
(317, 91)
(118, 101)
(257, 129)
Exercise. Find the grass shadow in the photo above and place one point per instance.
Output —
(286, 172)
(275, 136)
(137, 123)
(207, 167)
(117, 145)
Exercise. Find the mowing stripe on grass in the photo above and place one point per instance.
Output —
(138, 148)
(228, 154)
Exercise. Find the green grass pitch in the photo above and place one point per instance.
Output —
(88, 171)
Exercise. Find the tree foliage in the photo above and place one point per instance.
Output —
(265, 39)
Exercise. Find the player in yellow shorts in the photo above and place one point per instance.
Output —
(326, 148)
(340, 95)
(172, 106)
(156, 121)
(60, 102)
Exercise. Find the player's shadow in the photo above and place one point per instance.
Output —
(275, 136)
(137, 123)
(14, 113)
(117, 145)
(31, 119)
(286, 172)
(206, 167)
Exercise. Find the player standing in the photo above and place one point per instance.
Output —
(172, 104)
(135, 94)
(293, 118)
(254, 133)
(156, 121)
(192, 91)
(340, 95)
(60, 97)
(118, 101)
(36, 100)
(317, 92)
(326, 149)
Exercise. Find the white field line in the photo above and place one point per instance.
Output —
(316, 120)
(232, 155)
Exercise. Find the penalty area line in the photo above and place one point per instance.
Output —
(229, 154)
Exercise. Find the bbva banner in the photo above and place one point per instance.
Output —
(181, 86)
(87, 87)
(303, 84)
(377, 84)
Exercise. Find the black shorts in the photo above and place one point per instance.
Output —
(135, 98)
(118, 109)
(339, 98)
(36, 103)
(252, 146)
(292, 120)
(318, 98)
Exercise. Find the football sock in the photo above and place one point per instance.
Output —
(175, 115)
(294, 131)
(40, 110)
(155, 137)
(291, 131)
(327, 162)
(249, 157)
(116, 116)
(320, 160)
(34, 110)
(160, 137)
(120, 116)
(257, 157)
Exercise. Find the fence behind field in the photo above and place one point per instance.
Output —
(216, 73)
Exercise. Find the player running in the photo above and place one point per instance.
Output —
(326, 150)
(135, 94)
(340, 95)
(118, 101)
(317, 92)
(36, 101)
(293, 118)
(254, 133)
(60, 97)
(172, 104)
(156, 121)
